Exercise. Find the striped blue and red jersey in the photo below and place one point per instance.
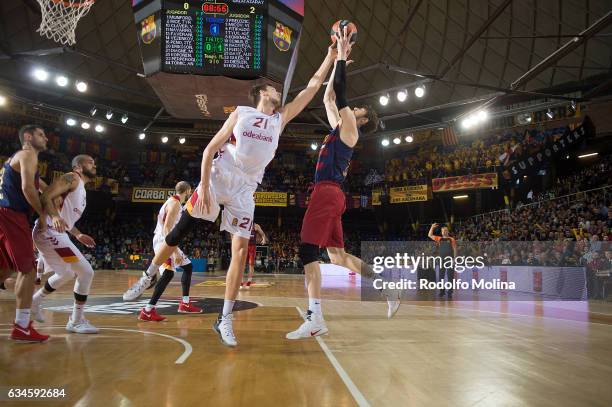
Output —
(11, 194)
(334, 159)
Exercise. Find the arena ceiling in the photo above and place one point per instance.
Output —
(454, 44)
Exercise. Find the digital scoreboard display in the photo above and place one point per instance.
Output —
(214, 38)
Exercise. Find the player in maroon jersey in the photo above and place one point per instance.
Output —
(257, 236)
(19, 185)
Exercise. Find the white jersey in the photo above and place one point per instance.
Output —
(73, 205)
(163, 213)
(256, 138)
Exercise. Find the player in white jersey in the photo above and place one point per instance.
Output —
(231, 180)
(168, 217)
(57, 250)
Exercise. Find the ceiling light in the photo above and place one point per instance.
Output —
(70, 122)
(385, 142)
(383, 100)
(124, 118)
(466, 123)
(402, 95)
(109, 115)
(93, 111)
(409, 139)
(61, 80)
(573, 104)
(419, 91)
(99, 128)
(314, 146)
(550, 114)
(2, 100)
(142, 136)
(482, 115)
(182, 140)
(460, 197)
(85, 125)
(397, 140)
(164, 139)
(41, 75)
(587, 155)
(81, 86)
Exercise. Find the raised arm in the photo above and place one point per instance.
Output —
(28, 164)
(431, 230)
(329, 100)
(348, 131)
(295, 107)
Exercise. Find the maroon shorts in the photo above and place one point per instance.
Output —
(322, 224)
(251, 257)
(16, 247)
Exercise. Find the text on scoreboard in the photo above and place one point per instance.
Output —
(214, 37)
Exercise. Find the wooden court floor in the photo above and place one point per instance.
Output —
(432, 353)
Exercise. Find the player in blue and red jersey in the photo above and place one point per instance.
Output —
(322, 224)
(19, 185)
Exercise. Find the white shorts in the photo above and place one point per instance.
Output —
(57, 251)
(178, 259)
(236, 194)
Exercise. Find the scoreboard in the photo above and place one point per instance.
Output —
(214, 38)
(185, 42)
(235, 38)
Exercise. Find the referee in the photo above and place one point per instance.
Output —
(447, 247)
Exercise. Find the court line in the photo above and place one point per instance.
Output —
(352, 388)
(181, 359)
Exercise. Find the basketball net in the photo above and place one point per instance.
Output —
(60, 18)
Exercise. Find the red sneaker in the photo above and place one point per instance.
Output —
(27, 335)
(150, 316)
(189, 308)
(248, 285)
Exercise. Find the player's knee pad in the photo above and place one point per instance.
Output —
(48, 288)
(309, 253)
(80, 297)
(180, 230)
(84, 277)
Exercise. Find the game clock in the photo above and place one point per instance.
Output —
(214, 37)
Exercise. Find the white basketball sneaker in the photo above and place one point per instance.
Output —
(37, 314)
(223, 326)
(393, 307)
(313, 326)
(81, 327)
(137, 289)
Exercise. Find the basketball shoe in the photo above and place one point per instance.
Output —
(37, 314)
(150, 316)
(81, 327)
(137, 289)
(223, 327)
(188, 308)
(28, 334)
(313, 326)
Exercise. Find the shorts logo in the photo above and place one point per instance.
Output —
(53, 240)
(235, 222)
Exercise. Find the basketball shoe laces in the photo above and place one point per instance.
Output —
(227, 326)
(140, 285)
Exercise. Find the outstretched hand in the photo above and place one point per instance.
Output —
(344, 44)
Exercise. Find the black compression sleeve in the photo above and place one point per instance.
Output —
(340, 84)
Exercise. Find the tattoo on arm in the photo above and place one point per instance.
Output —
(68, 178)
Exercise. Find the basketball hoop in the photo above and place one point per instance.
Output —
(60, 18)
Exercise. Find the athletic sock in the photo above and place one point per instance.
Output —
(77, 312)
(39, 295)
(186, 299)
(22, 317)
(149, 307)
(314, 305)
(152, 270)
(250, 280)
(228, 306)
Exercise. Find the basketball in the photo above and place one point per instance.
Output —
(338, 27)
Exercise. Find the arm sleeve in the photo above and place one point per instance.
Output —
(340, 84)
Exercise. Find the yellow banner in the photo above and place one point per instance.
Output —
(474, 181)
(376, 197)
(412, 193)
(270, 199)
(151, 195)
